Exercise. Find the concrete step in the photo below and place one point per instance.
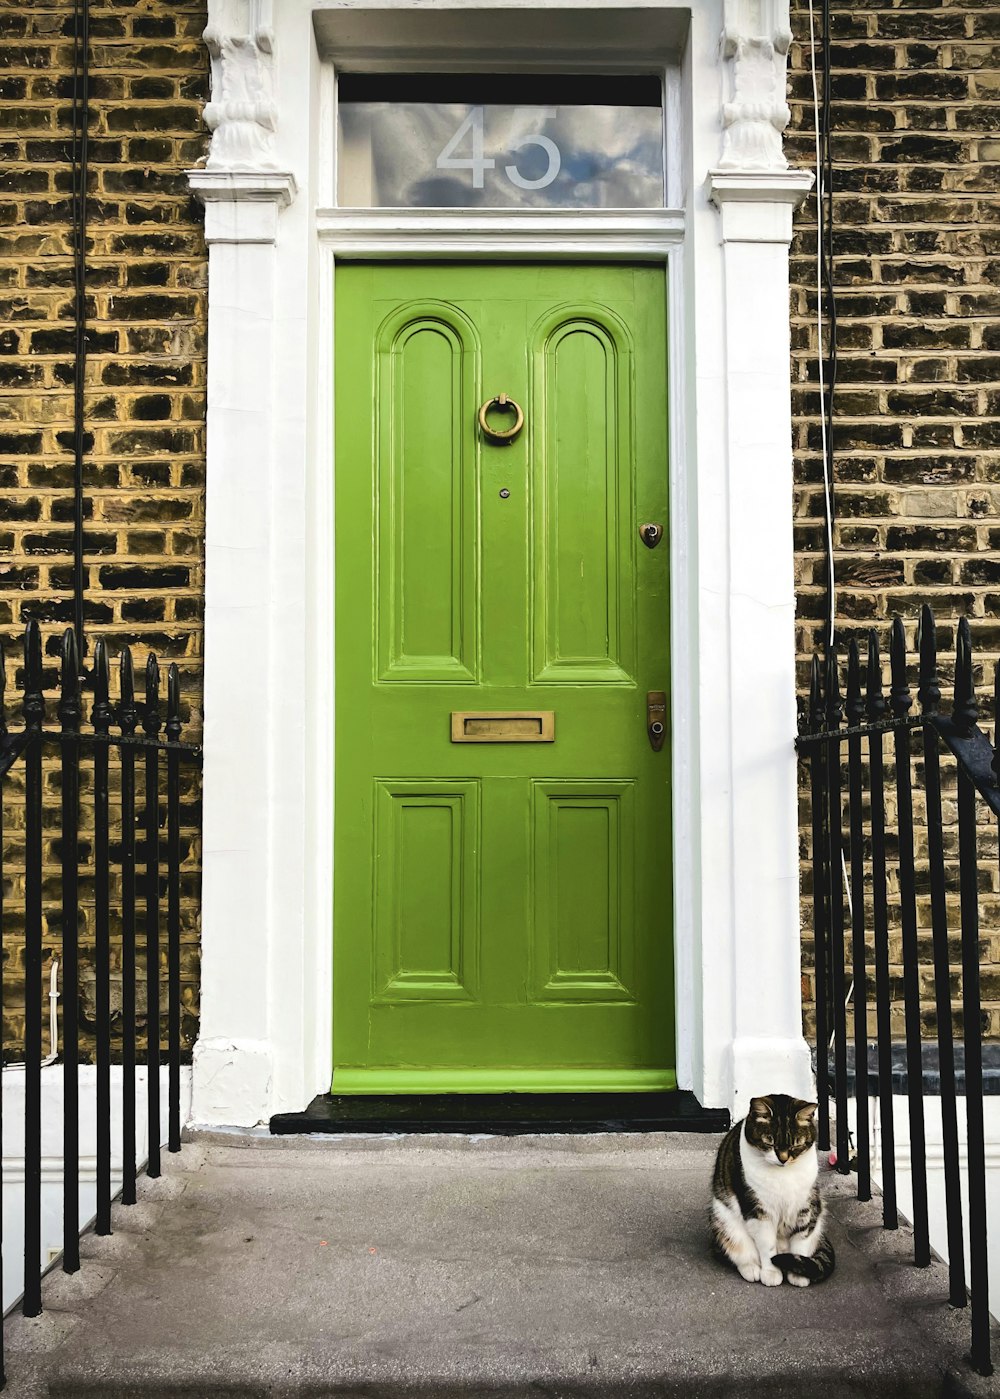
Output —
(456, 1266)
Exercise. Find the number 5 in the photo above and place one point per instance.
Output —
(548, 146)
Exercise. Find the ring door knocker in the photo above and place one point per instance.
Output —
(506, 404)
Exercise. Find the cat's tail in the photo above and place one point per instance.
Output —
(811, 1270)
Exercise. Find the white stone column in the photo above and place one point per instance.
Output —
(243, 196)
(756, 193)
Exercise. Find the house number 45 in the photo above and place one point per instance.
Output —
(478, 163)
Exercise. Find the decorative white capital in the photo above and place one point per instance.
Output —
(241, 114)
(755, 42)
(242, 207)
(757, 205)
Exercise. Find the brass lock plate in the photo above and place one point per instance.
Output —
(656, 719)
(503, 726)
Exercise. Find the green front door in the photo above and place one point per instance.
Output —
(502, 908)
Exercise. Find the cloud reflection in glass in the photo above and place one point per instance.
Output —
(609, 157)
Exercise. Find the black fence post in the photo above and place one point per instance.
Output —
(859, 971)
(964, 716)
(101, 721)
(151, 728)
(835, 896)
(876, 711)
(128, 719)
(901, 701)
(34, 713)
(69, 715)
(173, 731)
(819, 880)
(3, 737)
(929, 695)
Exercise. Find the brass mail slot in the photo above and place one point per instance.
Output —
(503, 726)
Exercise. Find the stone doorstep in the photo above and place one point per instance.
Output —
(448, 1266)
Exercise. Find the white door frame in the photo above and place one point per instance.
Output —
(273, 235)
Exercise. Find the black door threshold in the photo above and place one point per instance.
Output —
(503, 1114)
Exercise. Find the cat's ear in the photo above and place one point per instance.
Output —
(761, 1107)
(805, 1112)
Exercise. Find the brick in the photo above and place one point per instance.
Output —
(922, 537)
(138, 578)
(908, 335)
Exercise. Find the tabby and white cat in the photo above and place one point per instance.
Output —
(767, 1215)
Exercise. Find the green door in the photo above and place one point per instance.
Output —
(502, 908)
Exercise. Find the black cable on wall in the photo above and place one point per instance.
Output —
(81, 118)
(826, 291)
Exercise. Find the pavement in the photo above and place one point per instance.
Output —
(447, 1266)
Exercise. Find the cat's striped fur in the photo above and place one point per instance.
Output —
(767, 1215)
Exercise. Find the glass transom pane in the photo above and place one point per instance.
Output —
(500, 142)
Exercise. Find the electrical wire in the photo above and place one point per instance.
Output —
(81, 120)
(826, 361)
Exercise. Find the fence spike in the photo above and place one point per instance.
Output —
(929, 691)
(995, 765)
(128, 713)
(151, 717)
(69, 681)
(101, 714)
(33, 705)
(815, 696)
(834, 708)
(855, 702)
(965, 711)
(875, 698)
(173, 725)
(900, 699)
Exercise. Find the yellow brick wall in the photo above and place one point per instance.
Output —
(145, 377)
(917, 266)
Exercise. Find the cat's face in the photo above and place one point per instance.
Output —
(780, 1127)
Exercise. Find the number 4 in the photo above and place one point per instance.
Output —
(477, 162)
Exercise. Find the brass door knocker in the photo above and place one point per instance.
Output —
(506, 404)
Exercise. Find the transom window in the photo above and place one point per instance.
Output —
(501, 141)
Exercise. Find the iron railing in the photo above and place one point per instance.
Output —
(865, 869)
(128, 880)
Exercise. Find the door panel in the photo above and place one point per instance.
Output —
(584, 916)
(502, 910)
(426, 611)
(582, 505)
(426, 924)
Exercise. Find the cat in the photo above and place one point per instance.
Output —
(767, 1216)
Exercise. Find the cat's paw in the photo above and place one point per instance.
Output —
(797, 1280)
(771, 1276)
(750, 1272)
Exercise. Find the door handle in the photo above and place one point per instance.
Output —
(656, 719)
(506, 404)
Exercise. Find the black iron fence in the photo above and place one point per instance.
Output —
(133, 882)
(867, 868)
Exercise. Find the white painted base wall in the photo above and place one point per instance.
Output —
(935, 1176)
(52, 1138)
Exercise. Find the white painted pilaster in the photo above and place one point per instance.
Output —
(243, 195)
(756, 194)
